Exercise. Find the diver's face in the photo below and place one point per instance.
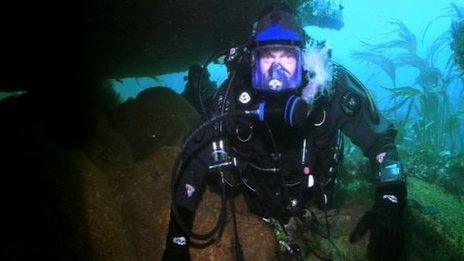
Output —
(283, 57)
(276, 68)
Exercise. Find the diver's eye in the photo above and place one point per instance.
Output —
(288, 59)
(266, 55)
(266, 59)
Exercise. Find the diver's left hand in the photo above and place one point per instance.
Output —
(385, 222)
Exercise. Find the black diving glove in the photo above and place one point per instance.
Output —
(385, 222)
(177, 241)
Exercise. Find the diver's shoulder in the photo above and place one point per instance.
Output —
(346, 81)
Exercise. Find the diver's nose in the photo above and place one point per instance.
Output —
(274, 69)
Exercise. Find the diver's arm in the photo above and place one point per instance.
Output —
(376, 137)
(371, 132)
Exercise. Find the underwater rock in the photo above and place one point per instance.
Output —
(145, 202)
(63, 205)
(159, 37)
(86, 204)
(172, 35)
(108, 150)
(440, 233)
(156, 117)
(257, 239)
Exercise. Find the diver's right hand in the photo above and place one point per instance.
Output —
(385, 223)
(176, 253)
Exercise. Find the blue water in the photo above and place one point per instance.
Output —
(369, 21)
(130, 87)
(364, 21)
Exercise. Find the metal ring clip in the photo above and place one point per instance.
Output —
(247, 139)
(320, 123)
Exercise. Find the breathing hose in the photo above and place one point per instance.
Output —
(178, 167)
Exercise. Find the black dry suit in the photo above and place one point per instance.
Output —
(280, 166)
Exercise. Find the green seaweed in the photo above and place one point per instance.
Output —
(457, 35)
(440, 234)
(431, 125)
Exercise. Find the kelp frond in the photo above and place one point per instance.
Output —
(385, 63)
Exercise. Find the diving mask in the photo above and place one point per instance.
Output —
(276, 68)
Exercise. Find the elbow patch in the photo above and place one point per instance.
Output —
(359, 87)
(350, 103)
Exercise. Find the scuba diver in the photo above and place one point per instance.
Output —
(274, 132)
(199, 90)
